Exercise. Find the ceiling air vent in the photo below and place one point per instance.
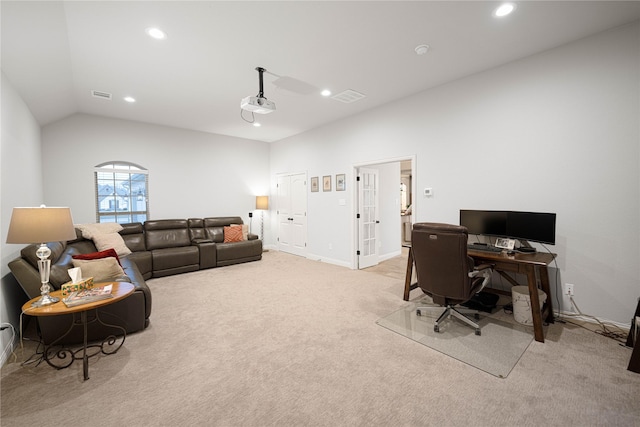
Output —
(101, 95)
(348, 96)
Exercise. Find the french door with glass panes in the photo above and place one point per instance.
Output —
(367, 217)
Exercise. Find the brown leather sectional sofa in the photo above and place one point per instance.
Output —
(158, 248)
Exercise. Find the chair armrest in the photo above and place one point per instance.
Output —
(484, 267)
(483, 270)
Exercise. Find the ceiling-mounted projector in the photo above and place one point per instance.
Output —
(258, 104)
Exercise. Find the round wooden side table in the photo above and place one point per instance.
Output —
(60, 356)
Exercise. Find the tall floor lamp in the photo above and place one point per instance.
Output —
(262, 204)
(41, 225)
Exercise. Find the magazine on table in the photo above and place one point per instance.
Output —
(88, 295)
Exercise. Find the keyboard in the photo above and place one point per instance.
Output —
(481, 247)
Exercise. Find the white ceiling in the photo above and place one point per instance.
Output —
(56, 53)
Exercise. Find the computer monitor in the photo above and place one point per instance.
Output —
(532, 226)
(488, 223)
(527, 226)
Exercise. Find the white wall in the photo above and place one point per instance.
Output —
(555, 132)
(191, 174)
(20, 185)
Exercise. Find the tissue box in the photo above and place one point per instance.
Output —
(69, 287)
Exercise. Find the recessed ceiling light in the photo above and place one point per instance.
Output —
(325, 92)
(129, 99)
(256, 124)
(504, 10)
(422, 49)
(156, 33)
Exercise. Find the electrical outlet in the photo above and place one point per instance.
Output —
(330, 246)
(568, 289)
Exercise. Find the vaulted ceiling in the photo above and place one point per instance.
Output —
(57, 53)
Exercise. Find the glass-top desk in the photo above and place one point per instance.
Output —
(531, 264)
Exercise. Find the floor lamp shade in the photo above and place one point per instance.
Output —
(262, 202)
(40, 225)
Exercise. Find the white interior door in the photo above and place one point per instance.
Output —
(367, 217)
(298, 189)
(292, 214)
(284, 214)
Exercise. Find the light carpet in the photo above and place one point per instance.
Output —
(496, 350)
(288, 341)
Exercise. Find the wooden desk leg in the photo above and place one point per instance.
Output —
(634, 362)
(544, 283)
(535, 304)
(409, 273)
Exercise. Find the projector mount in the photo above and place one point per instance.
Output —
(260, 71)
(257, 104)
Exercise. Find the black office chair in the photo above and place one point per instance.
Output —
(444, 270)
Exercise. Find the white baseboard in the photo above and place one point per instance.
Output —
(328, 260)
(591, 321)
(8, 349)
(390, 255)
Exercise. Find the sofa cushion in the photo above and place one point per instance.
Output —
(197, 233)
(60, 269)
(166, 233)
(133, 236)
(29, 252)
(215, 226)
(175, 260)
(233, 233)
(102, 270)
(232, 253)
(99, 255)
(215, 234)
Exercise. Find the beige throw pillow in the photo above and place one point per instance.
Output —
(111, 240)
(90, 230)
(102, 270)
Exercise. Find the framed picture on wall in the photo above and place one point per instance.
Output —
(326, 183)
(340, 184)
(314, 184)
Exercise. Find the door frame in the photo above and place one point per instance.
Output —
(354, 197)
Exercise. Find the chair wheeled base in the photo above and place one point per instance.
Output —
(452, 311)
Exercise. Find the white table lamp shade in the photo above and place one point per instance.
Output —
(40, 225)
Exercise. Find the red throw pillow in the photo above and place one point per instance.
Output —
(98, 255)
(233, 234)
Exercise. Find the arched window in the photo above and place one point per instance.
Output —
(122, 191)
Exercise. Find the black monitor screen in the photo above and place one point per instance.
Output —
(489, 223)
(533, 226)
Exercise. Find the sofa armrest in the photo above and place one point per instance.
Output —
(27, 276)
(135, 277)
(198, 241)
(208, 253)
